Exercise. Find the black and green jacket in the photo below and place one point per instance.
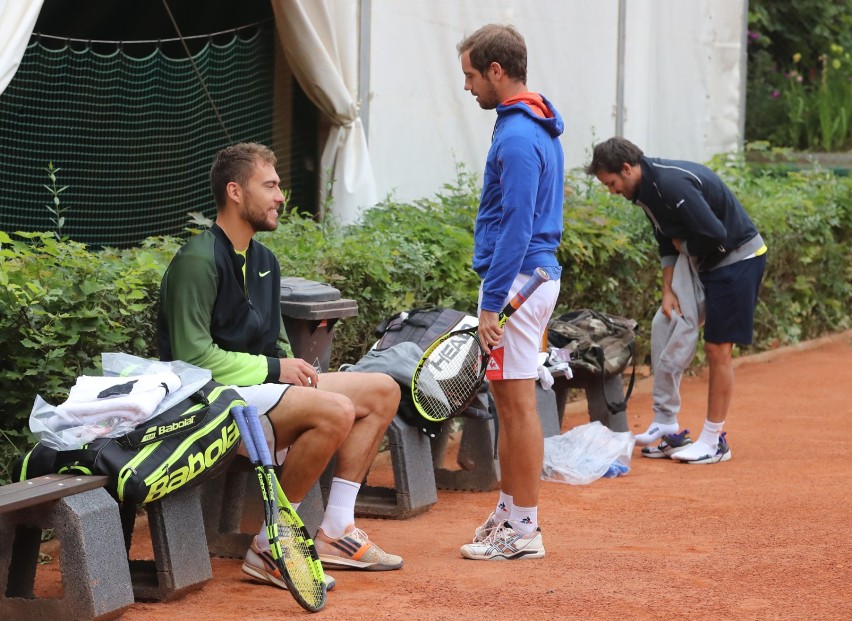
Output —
(213, 317)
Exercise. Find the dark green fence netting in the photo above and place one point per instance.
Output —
(133, 137)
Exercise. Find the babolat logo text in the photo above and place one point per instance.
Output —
(161, 430)
(193, 464)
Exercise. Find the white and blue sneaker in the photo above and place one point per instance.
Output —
(668, 446)
(700, 453)
(504, 543)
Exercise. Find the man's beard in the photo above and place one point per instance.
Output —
(258, 222)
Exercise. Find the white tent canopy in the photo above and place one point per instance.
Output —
(17, 19)
(682, 87)
(683, 80)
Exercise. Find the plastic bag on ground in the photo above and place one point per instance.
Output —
(585, 453)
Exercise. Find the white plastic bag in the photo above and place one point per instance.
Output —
(152, 387)
(585, 453)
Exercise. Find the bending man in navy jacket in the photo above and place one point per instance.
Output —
(518, 228)
(694, 213)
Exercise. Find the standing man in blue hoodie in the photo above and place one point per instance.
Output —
(518, 228)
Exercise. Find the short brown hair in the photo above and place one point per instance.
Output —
(611, 156)
(497, 44)
(236, 163)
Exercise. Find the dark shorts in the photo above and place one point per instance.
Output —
(731, 294)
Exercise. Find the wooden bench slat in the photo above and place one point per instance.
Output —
(45, 488)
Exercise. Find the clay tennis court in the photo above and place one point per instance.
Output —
(767, 535)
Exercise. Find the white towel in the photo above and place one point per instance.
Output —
(134, 406)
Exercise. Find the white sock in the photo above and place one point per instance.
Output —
(655, 432)
(707, 443)
(524, 519)
(504, 507)
(263, 538)
(710, 433)
(340, 511)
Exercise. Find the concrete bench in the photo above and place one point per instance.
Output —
(181, 561)
(96, 581)
(414, 489)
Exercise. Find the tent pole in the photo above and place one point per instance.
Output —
(743, 75)
(364, 19)
(619, 72)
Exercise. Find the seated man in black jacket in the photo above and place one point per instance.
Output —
(220, 309)
(694, 213)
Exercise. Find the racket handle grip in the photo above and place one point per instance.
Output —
(538, 278)
(259, 437)
(238, 412)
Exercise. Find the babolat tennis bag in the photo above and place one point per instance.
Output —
(189, 443)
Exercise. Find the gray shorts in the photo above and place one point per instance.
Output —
(265, 397)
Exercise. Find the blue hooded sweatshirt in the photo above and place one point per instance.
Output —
(519, 223)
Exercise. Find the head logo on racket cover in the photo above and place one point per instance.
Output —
(452, 368)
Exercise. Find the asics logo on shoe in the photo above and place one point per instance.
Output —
(262, 274)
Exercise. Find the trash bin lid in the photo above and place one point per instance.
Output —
(295, 289)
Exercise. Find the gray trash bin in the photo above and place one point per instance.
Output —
(310, 309)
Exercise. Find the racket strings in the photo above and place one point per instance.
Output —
(449, 376)
(301, 566)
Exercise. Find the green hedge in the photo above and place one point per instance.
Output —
(61, 304)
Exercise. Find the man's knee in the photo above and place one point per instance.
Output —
(330, 414)
(335, 416)
(387, 393)
(719, 354)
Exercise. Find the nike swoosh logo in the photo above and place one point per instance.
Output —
(262, 274)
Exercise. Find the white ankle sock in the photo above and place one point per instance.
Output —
(710, 433)
(340, 511)
(707, 443)
(655, 432)
(263, 538)
(524, 519)
(504, 507)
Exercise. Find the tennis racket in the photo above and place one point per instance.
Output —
(292, 548)
(452, 368)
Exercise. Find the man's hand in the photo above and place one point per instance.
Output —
(670, 303)
(489, 330)
(297, 372)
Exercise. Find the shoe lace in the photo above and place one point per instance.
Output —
(360, 535)
(501, 532)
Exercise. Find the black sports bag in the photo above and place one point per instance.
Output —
(191, 442)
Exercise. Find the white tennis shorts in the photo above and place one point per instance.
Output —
(516, 356)
(264, 397)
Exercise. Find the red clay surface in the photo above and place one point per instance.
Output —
(767, 535)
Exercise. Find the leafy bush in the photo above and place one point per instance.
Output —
(799, 72)
(805, 216)
(401, 256)
(61, 304)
